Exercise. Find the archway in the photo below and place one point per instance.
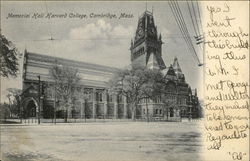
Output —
(30, 108)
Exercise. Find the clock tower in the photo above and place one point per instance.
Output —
(146, 46)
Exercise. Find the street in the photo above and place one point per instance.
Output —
(122, 141)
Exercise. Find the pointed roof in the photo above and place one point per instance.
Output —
(147, 32)
(146, 20)
(160, 36)
(176, 66)
(152, 62)
(145, 25)
(161, 62)
(157, 58)
(177, 69)
(145, 14)
(171, 71)
(33, 89)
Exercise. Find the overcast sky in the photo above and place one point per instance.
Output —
(96, 40)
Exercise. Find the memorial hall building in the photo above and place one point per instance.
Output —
(93, 97)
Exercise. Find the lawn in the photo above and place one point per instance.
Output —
(110, 141)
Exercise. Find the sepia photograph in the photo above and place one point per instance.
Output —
(121, 81)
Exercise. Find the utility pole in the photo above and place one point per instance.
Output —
(55, 103)
(39, 99)
(147, 109)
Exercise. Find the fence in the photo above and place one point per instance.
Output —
(88, 119)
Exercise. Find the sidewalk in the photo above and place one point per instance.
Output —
(32, 121)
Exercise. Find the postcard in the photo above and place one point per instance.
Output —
(124, 81)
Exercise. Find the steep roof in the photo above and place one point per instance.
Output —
(152, 62)
(161, 62)
(176, 66)
(177, 69)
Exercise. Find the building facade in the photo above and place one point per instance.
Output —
(146, 50)
(93, 98)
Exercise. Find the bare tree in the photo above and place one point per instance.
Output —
(129, 83)
(156, 88)
(152, 88)
(136, 84)
(14, 97)
(66, 80)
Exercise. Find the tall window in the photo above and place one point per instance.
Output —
(88, 95)
(110, 98)
(50, 93)
(120, 98)
(99, 96)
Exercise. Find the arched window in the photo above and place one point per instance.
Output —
(100, 97)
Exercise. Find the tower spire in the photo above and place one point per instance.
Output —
(177, 69)
(176, 65)
(160, 36)
(146, 47)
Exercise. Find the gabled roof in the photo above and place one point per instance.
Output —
(31, 87)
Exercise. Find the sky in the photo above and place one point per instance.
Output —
(104, 41)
